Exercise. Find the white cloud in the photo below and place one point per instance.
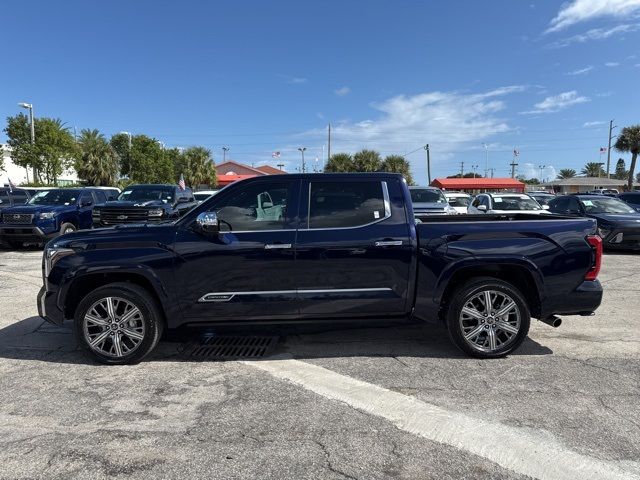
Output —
(293, 80)
(342, 91)
(558, 102)
(583, 10)
(582, 71)
(611, 64)
(529, 170)
(596, 34)
(593, 124)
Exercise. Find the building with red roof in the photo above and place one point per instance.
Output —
(231, 171)
(474, 185)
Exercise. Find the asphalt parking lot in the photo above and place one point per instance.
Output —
(358, 403)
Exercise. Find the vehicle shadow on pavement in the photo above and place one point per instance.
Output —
(35, 339)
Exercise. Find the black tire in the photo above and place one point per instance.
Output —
(67, 228)
(465, 294)
(151, 316)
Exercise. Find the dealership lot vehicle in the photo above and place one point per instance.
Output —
(500, 203)
(10, 197)
(327, 247)
(48, 214)
(430, 201)
(145, 203)
(112, 193)
(458, 201)
(573, 387)
(618, 223)
(202, 195)
(631, 198)
(543, 198)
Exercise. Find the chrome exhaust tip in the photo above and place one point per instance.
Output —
(554, 321)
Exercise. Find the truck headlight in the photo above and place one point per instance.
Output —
(51, 257)
(46, 215)
(156, 212)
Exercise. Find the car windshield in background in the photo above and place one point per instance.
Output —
(424, 195)
(55, 197)
(147, 193)
(606, 205)
(515, 203)
(202, 196)
(459, 201)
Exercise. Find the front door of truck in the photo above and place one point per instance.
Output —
(353, 251)
(247, 270)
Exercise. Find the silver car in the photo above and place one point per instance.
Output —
(430, 201)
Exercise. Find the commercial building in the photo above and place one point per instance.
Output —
(477, 185)
(231, 171)
(585, 184)
(19, 175)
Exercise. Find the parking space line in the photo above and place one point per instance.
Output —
(536, 454)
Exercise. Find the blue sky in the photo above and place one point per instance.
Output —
(543, 77)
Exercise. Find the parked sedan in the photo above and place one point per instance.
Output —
(618, 223)
(501, 203)
(632, 199)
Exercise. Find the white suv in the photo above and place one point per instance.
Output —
(500, 203)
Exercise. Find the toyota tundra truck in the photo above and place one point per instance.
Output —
(320, 248)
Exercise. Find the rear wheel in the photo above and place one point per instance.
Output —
(488, 318)
(67, 228)
(119, 323)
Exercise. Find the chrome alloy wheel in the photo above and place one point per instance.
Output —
(114, 327)
(490, 320)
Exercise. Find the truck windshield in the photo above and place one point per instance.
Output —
(515, 203)
(606, 205)
(55, 197)
(425, 195)
(146, 193)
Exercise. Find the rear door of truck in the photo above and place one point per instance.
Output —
(353, 247)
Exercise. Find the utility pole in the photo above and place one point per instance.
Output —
(541, 167)
(461, 169)
(280, 165)
(491, 170)
(304, 167)
(329, 144)
(513, 168)
(486, 165)
(475, 169)
(611, 127)
(426, 147)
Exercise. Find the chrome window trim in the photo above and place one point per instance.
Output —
(230, 295)
(385, 199)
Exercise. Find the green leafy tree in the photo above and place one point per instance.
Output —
(52, 152)
(567, 173)
(149, 162)
(339, 163)
(397, 164)
(120, 145)
(621, 170)
(1, 158)
(96, 161)
(367, 161)
(629, 141)
(197, 166)
(593, 169)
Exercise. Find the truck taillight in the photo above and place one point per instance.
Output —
(596, 245)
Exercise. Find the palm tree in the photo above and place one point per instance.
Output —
(367, 161)
(593, 169)
(566, 173)
(340, 162)
(197, 166)
(629, 141)
(96, 161)
(397, 164)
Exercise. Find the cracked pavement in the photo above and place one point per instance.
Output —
(62, 416)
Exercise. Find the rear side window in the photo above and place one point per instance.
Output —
(347, 204)
(100, 196)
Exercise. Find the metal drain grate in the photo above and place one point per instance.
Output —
(230, 347)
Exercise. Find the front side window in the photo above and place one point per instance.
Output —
(55, 197)
(261, 206)
(346, 204)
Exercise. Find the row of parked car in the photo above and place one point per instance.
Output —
(38, 215)
(617, 214)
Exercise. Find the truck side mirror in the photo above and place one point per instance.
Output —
(482, 208)
(208, 223)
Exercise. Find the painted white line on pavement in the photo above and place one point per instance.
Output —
(522, 451)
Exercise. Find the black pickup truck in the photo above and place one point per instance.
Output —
(324, 248)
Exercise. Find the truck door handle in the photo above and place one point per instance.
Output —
(274, 246)
(388, 243)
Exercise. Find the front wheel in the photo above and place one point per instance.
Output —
(488, 318)
(67, 228)
(119, 323)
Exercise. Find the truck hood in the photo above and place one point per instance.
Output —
(430, 206)
(37, 209)
(131, 203)
(120, 235)
(627, 220)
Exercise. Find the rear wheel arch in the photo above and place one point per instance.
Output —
(519, 276)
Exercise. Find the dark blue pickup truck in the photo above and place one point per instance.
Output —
(48, 214)
(324, 248)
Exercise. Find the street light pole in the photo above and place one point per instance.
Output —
(304, 168)
(611, 127)
(33, 134)
(486, 164)
(224, 154)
